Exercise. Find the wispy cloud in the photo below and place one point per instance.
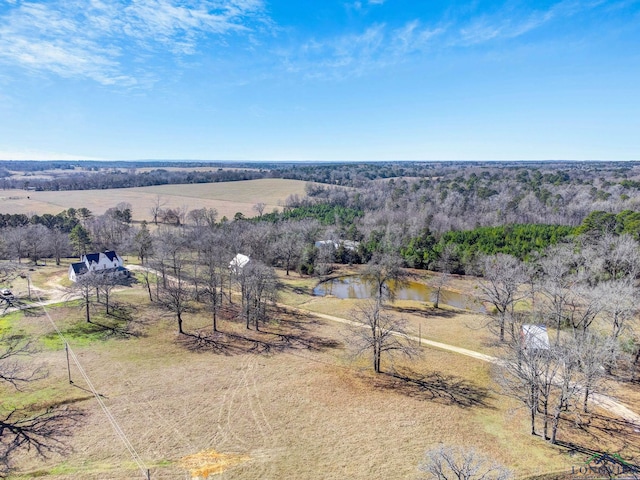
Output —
(376, 47)
(381, 46)
(509, 23)
(360, 5)
(90, 38)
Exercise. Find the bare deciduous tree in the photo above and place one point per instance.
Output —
(203, 217)
(12, 370)
(58, 243)
(619, 304)
(288, 245)
(105, 285)
(15, 242)
(259, 208)
(84, 288)
(156, 208)
(501, 285)
(216, 268)
(385, 273)
(519, 375)
(36, 240)
(28, 429)
(143, 242)
(259, 286)
(378, 332)
(448, 463)
(175, 297)
(594, 354)
(556, 281)
(545, 379)
(444, 267)
(584, 306)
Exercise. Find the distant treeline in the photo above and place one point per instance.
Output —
(446, 176)
(124, 179)
(63, 221)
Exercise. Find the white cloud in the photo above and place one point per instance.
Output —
(381, 46)
(378, 46)
(91, 38)
(512, 24)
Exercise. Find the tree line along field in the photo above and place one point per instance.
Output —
(303, 407)
(227, 198)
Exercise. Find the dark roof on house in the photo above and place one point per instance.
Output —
(80, 268)
(92, 257)
(111, 255)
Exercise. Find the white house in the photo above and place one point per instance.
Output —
(108, 262)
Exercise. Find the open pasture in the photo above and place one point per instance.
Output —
(226, 197)
(288, 402)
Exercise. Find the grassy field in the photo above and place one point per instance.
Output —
(289, 402)
(226, 197)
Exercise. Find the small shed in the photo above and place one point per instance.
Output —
(534, 337)
(238, 263)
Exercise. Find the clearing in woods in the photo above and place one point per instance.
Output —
(288, 402)
(226, 197)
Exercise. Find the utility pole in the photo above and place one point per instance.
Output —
(66, 348)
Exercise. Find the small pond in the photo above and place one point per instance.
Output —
(356, 286)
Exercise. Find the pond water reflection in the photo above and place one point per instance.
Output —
(356, 286)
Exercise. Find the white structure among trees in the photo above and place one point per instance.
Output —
(103, 262)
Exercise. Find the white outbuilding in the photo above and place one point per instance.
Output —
(238, 263)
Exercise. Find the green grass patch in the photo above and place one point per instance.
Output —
(9, 322)
(83, 333)
(38, 399)
(65, 468)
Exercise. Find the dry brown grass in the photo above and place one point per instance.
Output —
(290, 401)
(226, 197)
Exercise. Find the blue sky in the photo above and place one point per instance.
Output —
(319, 80)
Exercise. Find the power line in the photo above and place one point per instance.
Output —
(116, 427)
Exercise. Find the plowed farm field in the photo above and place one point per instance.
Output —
(227, 198)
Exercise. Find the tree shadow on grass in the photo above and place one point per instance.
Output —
(291, 331)
(600, 463)
(298, 290)
(123, 320)
(434, 386)
(32, 311)
(123, 330)
(604, 428)
(263, 342)
(429, 313)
